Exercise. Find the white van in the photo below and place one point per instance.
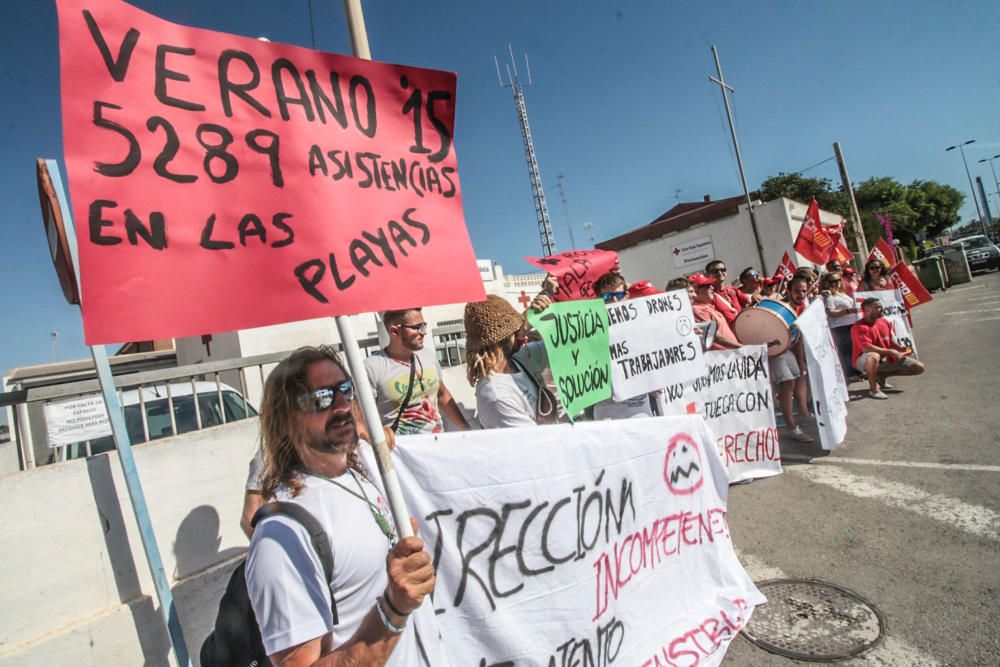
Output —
(157, 411)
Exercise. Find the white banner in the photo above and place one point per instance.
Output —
(75, 421)
(696, 252)
(653, 343)
(894, 310)
(826, 377)
(553, 548)
(736, 400)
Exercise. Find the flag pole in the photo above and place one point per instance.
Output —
(355, 361)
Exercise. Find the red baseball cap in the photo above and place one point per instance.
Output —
(772, 280)
(642, 288)
(847, 271)
(700, 280)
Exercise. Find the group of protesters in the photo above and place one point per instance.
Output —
(312, 432)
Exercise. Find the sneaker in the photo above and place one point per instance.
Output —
(877, 394)
(798, 434)
(889, 389)
(885, 385)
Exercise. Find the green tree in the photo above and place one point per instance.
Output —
(803, 189)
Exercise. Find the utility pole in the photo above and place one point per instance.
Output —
(569, 225)
(541, 209)
(961, 149)
(986, 207)
(726, 89)
(845, 180)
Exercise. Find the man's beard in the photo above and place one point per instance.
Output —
(337, 438)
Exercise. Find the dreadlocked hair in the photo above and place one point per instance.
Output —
(486, 360)
(280, 428)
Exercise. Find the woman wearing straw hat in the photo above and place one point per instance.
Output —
(506, 371)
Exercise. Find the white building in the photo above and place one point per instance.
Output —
(684, 239)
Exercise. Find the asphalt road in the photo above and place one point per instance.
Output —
(906, 512)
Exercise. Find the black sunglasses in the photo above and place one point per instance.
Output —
(321, 399)
(718, 270)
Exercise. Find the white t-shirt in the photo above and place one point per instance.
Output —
(256, 470)
(637, 406)
(837, 301)
(505, 400)
(390, 378)
(285, 577)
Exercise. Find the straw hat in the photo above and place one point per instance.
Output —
(490, 321)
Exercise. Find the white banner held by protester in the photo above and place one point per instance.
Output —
(894, 310)
(826, 377)
(736, 400)
(552, 548)
(653, 343)
(75, 421)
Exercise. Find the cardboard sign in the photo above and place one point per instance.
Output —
(826, 378)
(735, 398)
(576, 271)
(914, 292)
(221, 182)
(576, 340)
(894, 310)
(79, 420)
(653, 344)
(610, 548)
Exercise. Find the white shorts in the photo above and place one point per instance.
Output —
(784, 367)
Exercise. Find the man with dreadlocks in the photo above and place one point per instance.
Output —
(310, 445)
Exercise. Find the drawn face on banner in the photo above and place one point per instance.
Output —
(682, 468)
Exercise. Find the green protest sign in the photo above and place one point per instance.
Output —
(576, 340)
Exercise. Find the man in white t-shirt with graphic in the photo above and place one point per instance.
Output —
(406, 379)
(311, 458)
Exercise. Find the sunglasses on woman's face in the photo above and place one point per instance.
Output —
(321, 399)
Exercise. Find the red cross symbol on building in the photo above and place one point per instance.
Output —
(524, 299)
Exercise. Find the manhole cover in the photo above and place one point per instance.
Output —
(813, 620)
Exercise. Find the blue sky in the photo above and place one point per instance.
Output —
(621, 107)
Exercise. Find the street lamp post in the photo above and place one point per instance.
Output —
(996, 182)
(975, 200)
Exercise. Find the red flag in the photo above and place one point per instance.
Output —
(786, 268)
(812, 242)
(914, 292)
(840, 251)
(883, 252)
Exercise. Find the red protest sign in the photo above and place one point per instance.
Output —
(812, 242)
(913, 291)
(576, 271)
(883, 252)
(221, 182)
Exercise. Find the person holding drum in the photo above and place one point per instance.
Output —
(729, 300)
(703, 304)
(788, 369)
(751, 283)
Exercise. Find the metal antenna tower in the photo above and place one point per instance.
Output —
(569, 225)
(541, 209)
(677, 194)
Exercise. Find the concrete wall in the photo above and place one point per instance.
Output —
(76, 586)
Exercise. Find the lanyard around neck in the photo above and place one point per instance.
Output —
(380, 520)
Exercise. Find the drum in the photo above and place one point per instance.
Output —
(770, 323)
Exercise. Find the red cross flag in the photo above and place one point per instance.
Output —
(813, 242)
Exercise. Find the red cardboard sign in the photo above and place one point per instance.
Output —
(576, 271)
(222, 182)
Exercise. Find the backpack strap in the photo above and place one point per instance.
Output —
(409, 392)
(320, 542)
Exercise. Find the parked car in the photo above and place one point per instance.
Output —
(981, 253)
(158, 424)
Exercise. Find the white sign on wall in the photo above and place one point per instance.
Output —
(653, 343)
(75, 421)
(826, 377)
(696, 252)
(736, 400)
(566, 551)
